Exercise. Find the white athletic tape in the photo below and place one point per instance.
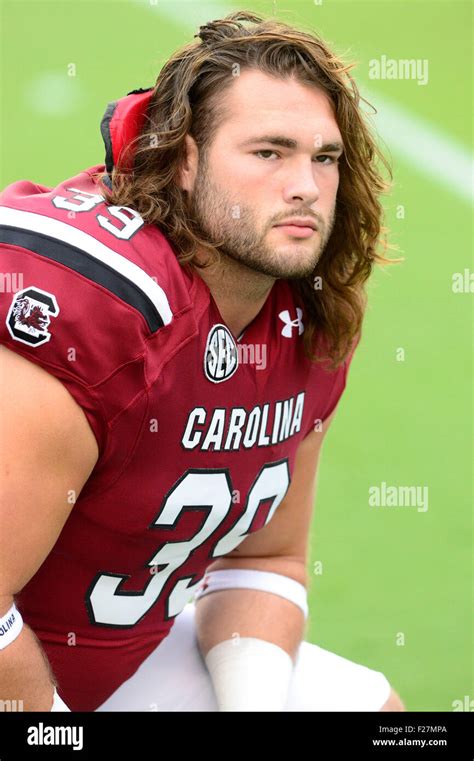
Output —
(11, 625)
(249, 674)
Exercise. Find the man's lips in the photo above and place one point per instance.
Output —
(297, 229)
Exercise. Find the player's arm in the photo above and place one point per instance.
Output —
(47, 452)
(250, 637)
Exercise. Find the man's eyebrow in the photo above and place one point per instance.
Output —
(287, 142)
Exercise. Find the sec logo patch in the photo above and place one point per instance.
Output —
(220, 356)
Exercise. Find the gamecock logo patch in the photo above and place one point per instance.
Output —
(30, 314)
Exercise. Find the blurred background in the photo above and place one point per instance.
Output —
(391, 587)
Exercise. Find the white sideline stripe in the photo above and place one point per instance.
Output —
(432, 152)
(39, 223)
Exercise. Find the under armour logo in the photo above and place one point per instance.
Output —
(287, 329)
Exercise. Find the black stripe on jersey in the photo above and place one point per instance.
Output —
(88, 266)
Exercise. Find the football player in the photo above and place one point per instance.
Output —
(175, 342)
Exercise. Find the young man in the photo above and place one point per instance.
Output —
(172, 361)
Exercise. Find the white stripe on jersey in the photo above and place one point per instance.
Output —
(39, 223)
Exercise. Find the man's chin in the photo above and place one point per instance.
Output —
(270, 261)
(282, 271)
(294, 268)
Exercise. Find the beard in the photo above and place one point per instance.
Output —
(234, 229)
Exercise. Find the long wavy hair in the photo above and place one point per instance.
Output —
(187, 98)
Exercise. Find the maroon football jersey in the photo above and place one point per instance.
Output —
(197, 431)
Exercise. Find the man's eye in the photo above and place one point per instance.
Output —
(268, 151)
(332, 159)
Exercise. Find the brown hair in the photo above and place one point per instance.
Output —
(187, 98)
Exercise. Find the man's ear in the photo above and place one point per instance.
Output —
(188, 169)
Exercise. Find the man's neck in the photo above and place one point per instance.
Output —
(238, 291)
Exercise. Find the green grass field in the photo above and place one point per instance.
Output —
(396, 587)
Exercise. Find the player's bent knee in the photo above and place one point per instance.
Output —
(393, 703)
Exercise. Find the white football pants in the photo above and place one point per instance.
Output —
(174, 677)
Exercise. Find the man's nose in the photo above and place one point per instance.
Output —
(301, 183)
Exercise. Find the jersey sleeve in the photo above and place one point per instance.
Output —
(74, 328)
